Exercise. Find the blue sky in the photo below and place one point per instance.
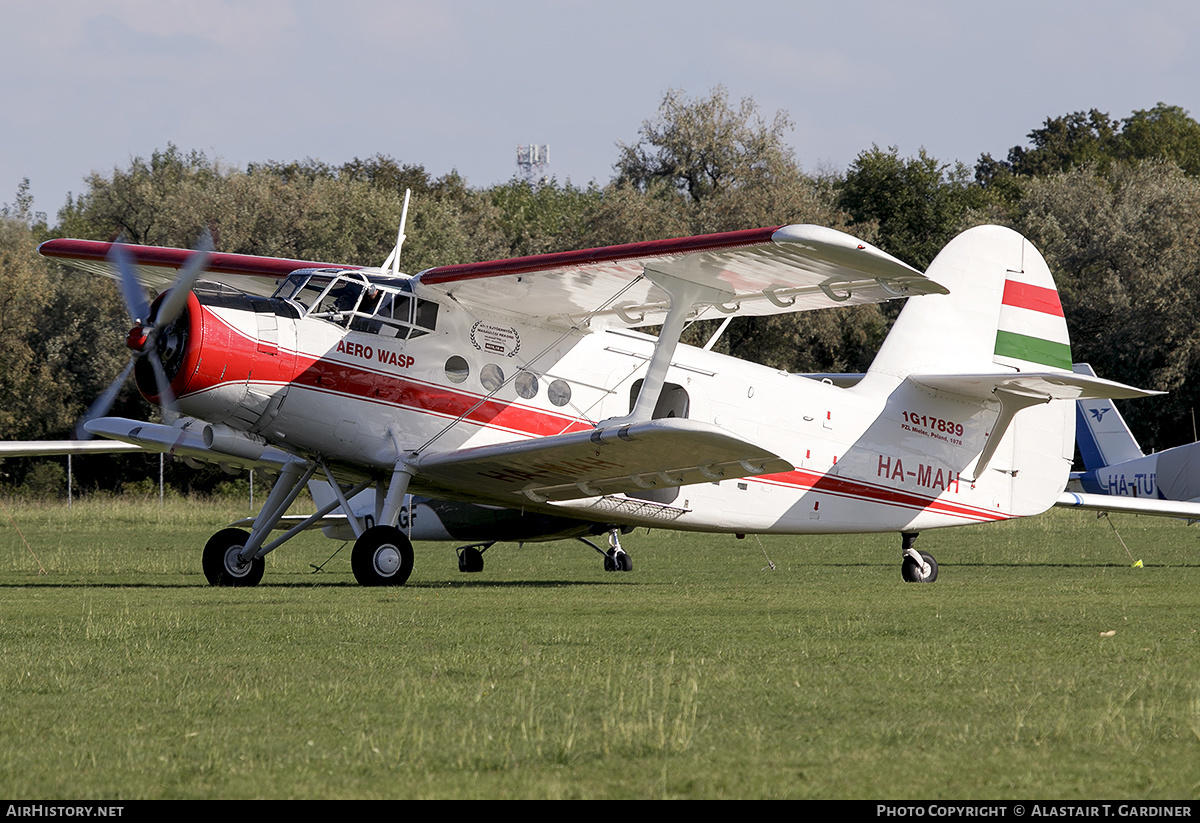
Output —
(457, 85)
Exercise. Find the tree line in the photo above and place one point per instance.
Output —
(1112, 204)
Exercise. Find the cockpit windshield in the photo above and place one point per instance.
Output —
(350, 300)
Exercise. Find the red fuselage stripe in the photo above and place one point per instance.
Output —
(354, 382)
(246, 363)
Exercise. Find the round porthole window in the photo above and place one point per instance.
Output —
(559, 392)
(527, 384)
(457, 369)
(491, 376)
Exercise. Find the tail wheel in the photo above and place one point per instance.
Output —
(910, 570)
(382, 556)
(221, 564)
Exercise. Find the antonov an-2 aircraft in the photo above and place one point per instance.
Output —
(521, 387)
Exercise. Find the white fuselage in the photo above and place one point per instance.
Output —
(884, 455)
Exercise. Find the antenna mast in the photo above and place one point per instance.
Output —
(532, 161)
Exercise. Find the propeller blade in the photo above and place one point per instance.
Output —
(135, 296)
(166, 398)
(177, 296)
(104, 402)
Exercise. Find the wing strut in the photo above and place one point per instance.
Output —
(684, 296)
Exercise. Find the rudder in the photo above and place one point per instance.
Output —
(1002, 313)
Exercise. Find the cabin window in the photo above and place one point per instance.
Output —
(457, 369)
(395, 314)
(526, 385)
(302, 287)
(492, 377)
(559, 392)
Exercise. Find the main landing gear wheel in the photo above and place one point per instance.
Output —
(382, 556)
(616, 560)
(221, 564)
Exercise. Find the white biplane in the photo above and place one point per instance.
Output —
(521, 389)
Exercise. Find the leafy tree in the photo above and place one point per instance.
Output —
(1161, 133)
(706, 147)
(1065, 143)
(534, 219)
(1093, 138)
(1125, 249)
(28, 385)
(918, 203)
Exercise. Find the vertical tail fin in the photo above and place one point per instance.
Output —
(1002, 313)
(1103, 437)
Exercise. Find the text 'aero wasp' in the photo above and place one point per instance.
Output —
(515, 399)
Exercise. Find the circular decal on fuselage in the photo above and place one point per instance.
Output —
(492, 339)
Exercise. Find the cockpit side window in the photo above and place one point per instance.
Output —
(397, 314)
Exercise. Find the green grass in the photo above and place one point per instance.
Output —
(700, 674)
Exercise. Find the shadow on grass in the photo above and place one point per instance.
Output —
(330, 584)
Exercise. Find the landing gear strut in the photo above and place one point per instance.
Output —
(382, 555)
(918, 567)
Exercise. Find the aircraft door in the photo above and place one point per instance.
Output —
(674, 401)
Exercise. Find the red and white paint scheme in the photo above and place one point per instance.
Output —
(523, 385)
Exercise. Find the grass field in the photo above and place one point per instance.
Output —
(1040, 665)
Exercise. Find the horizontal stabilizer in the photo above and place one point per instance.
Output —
(1045, 385)
(1015, 391)
(633, 459)
(1129, 505)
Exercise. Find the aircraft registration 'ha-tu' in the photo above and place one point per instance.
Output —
(1117, 472)
(517, 399)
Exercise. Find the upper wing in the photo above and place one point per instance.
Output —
(753, 272)
(158, 267)
(635, 458)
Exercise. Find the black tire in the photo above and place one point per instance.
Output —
(470, 559)
(382, 556)
(617, 562)
(220, 560)
(911, 572)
